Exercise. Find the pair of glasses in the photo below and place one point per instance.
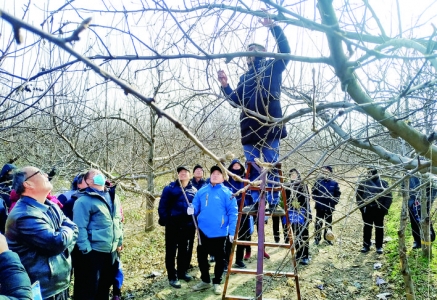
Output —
(37, 172)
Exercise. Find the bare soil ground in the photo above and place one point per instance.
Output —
(335, 272)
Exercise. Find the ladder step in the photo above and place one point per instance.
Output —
(272, 245)
(266, 273)
(232, 297)
(267, 214)
(267, 189)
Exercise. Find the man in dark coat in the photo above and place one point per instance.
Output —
(198, 181)
(326, 193)
(374, 212)
(258, 96)
(179, 226)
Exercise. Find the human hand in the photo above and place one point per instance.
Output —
(119, 249)
(190, 210)
(267, 22)
(3, 244)
(223, 79)
(231, 238)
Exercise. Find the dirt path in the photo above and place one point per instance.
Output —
(335, 272)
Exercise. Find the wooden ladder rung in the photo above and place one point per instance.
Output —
(272, 245)
(265, 273)
(267, 214)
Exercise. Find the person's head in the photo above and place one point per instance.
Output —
(216, 175)
(294, 174)
(6, 174)
(371, 172)
(236, 167)
(254, 48)
(32, 182)
(94, 179)
(183, 173)
(325, 172)
(198, 172)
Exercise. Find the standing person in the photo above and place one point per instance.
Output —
(414, 209)
(216, 211)
(97, 214)
(326, 193)
(15, 283)
(244, 231)
(374, 212)
(6, 176)
(198, 181)
(179, 226)
(258, 93)
(40, 234)
(298, 202)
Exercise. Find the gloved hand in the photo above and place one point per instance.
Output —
(52, 173)
(190, 210)
(231, 238)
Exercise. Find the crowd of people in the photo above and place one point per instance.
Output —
(47, 239)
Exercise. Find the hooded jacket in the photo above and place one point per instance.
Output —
(216, 211)
(99, 223)
(234, 185)
(369, 188)
(173, 205)
(43, 238)
(259, 90)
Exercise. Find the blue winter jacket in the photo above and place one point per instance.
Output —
(43, 238)
(326, 193)
(15, 283)
(173, 205)
(198, 184)
(235, 185)
(216, 211)
(259, 91)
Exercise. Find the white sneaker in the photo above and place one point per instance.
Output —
(201, 286)
(218, 290)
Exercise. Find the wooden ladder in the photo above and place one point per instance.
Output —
(260, 272)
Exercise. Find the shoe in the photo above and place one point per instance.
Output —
(304, 261)
(286, 241)
(240, 265)
(190, 267)
(379, 250)
(417, 245)
(211, 259)
(175, 283)
(329, 243)
(201, 286)
(266, 255)
(250, 209)
(116, 298)
(218, 290)
(186, 277)
(277, 239)
(365, 249)
(316, 242)
(247, 256)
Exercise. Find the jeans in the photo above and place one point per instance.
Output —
(270, 153)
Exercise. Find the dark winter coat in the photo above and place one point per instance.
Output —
(235, 185)
(15, 283)
(259, 91)
(43, 238)
(198, 184)
(326, 193)
(173, 205)
(368, 189)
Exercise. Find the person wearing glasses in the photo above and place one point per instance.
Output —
(97, 213)
(41, 235)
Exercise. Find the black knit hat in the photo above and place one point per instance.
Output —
(329, 168)
(197, 167)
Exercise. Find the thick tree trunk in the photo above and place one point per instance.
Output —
(424, 224)
(405, 270)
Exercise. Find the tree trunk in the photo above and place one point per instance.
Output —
(405, 270)
(424, 224)
(150, 201)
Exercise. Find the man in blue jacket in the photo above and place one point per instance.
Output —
(258, 96)
(216, 211)
(179, 226)
(326, 193)
(40, 234)
(97, 213)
